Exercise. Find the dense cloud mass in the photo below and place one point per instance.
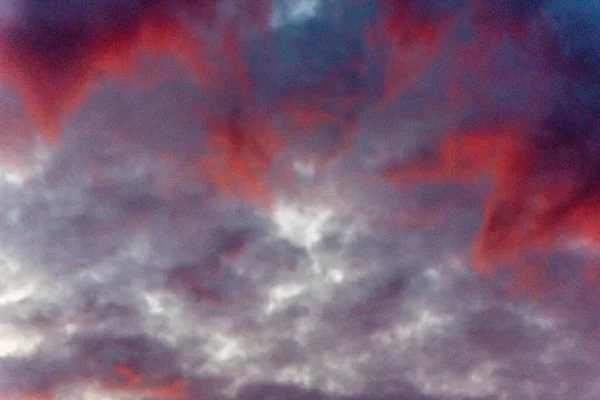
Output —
(299, 199)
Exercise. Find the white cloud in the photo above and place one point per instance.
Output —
(18, 341)
(294, 11)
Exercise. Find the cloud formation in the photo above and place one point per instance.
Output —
(311, 199)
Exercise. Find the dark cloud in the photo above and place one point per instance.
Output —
(54, 49)
(269, 391)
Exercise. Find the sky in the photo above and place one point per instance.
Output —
(299, 199)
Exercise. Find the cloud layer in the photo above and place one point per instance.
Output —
(333, 200)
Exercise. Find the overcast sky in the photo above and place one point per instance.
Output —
(299, 199)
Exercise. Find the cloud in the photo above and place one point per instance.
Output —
(362, 201)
